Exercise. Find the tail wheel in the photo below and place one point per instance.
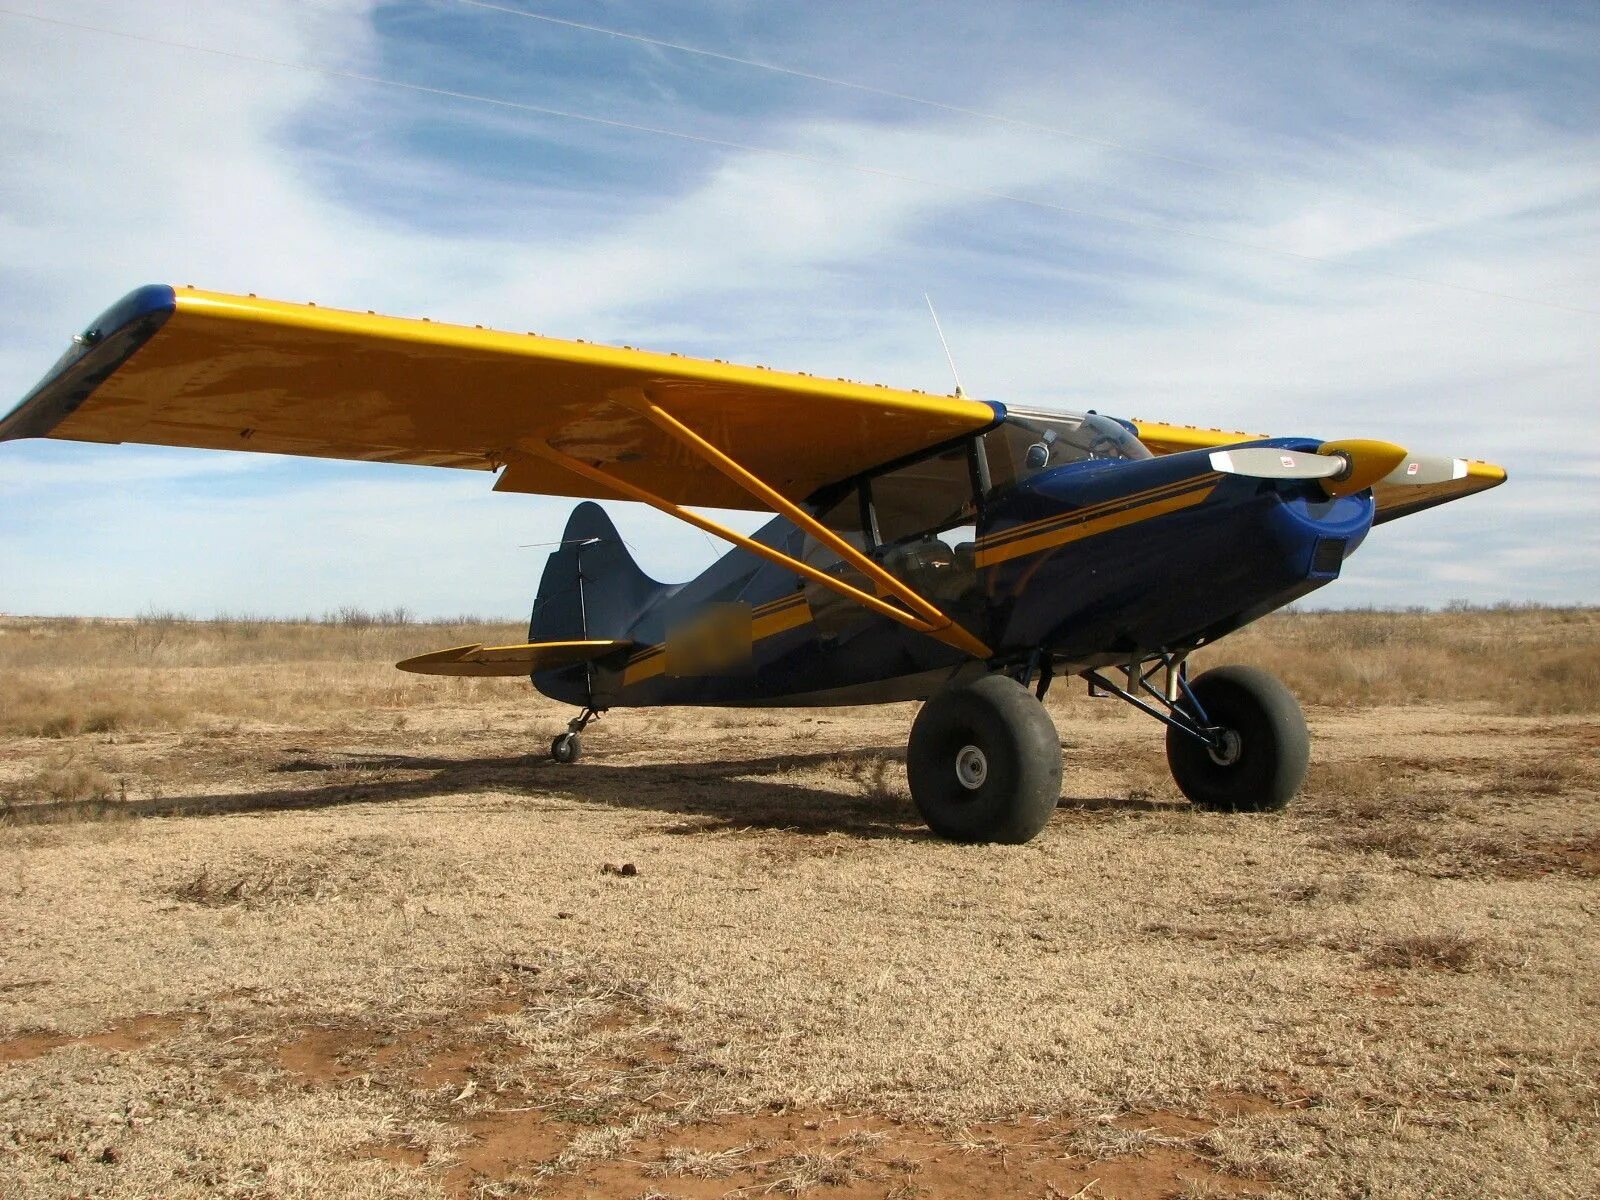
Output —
(984, 763)
(566, 748)
(1260, 759)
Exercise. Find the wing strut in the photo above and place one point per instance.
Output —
(924, 617)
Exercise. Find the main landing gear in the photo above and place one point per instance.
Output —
(568, 746)
(984, 762)
(984, 759)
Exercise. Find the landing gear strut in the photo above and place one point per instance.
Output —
(568, 746)
(1236, 738)
(984, 762)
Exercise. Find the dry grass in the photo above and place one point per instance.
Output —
(1432, 951)
(795, 1174)
(69, 677)
(702, 1164)
(268, 883)
(387, 959)
(878, 777)
(1516, 659)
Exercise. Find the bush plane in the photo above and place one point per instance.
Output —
(936, 548)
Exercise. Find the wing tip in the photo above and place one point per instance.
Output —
(1492, 474)
(94, 355)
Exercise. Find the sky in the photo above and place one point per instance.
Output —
(1328, 220)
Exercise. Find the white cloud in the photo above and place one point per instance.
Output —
(33, 471)
(133, 162)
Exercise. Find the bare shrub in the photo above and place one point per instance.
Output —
(1429, 951)
(67, 779)
(150, 631)
(702, 1164)
(265, 884)
(797, 1173)
(350, 616)
(1549, 776)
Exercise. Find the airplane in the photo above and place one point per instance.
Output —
(934, 548)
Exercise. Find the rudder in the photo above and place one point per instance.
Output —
(611, 593)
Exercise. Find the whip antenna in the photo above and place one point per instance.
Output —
(939, 329)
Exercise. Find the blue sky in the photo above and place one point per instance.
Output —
(1210, 211)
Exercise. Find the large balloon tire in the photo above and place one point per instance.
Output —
(984, 763)
(1265, 751)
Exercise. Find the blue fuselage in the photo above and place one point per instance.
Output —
(1094, 563)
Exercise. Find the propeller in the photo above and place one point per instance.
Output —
(1421, 469)
(1268, 462)
(1343, 467)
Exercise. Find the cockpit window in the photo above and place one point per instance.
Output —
(1029, 442)
(925, 497)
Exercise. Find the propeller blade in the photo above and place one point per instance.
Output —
(1420, 469)
(1268, 462)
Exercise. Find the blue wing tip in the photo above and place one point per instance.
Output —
(137, 305)
(95, 353)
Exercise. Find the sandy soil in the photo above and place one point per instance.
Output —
(396, 952)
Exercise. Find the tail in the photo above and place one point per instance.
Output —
(611, 593)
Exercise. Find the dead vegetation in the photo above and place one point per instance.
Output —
(1431, 951)
(69, 677)
(313, 928)
(269, 883)
(1519, 659)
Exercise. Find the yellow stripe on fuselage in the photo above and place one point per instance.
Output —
(793, 612)
(1096, 519)
(1116, 503)
(767, 620)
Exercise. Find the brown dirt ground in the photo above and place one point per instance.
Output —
(375, 950)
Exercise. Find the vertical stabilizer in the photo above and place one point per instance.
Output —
(591, 587)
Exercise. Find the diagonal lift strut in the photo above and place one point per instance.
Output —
(922, 617)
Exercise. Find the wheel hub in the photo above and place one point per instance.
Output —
(972, 767)
(1226, 749)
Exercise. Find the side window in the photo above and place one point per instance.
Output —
(919, 523)
(832, 613)
(1006, 449)
(926, 516)
(925, 498)
(843, 516)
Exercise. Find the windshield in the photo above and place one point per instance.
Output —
(1029, 442)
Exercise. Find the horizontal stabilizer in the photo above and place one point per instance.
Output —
(480, 660)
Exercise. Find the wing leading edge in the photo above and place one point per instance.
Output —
(182, 367)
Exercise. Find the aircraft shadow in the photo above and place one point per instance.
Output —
(738, 794)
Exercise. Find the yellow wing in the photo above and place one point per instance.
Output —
(1394, 499)
(180, 367)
